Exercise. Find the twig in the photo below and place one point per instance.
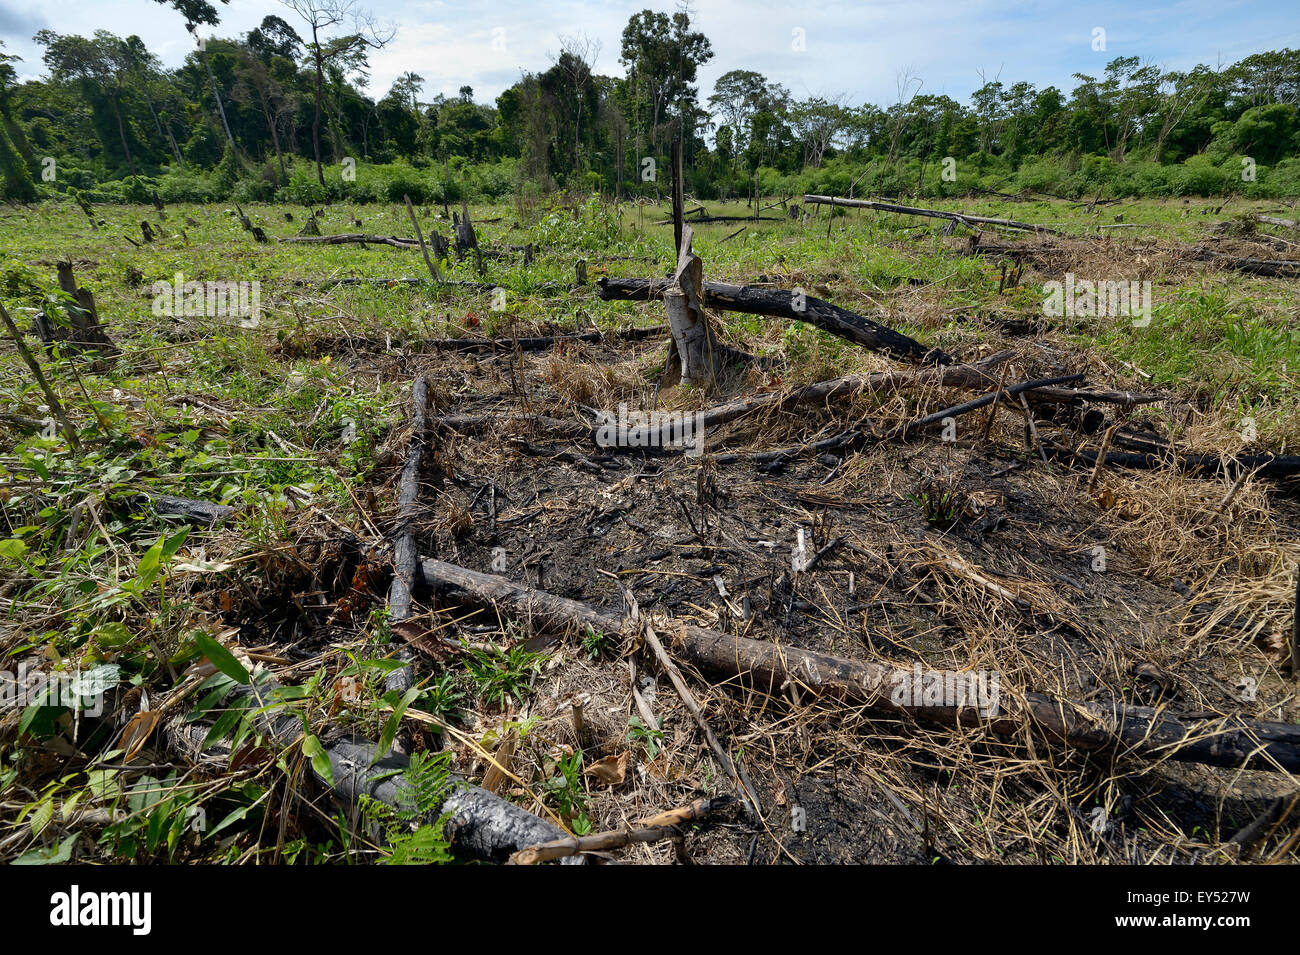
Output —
(56, 408)
(679, 684)
(650, 830)
(1101, 456)
(419, 235)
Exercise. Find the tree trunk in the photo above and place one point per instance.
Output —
(216, 93)
(121, 132)
(892, 692)
(315, 123)
(789, 305)
(86, 333)
(693, 337)
(275, 136)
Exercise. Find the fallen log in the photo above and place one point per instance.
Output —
(540, 342)
(448, 283)
(1127, 399)
(1269, 465)
(405, 550)
(357, 238)
(782, 304)
(479, 823)
(768, 668)
(931, 213)
(855, 439)
(834, 389)
(697, 220)
(1273, 268)
(529, 343)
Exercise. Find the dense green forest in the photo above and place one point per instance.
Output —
(285, 112)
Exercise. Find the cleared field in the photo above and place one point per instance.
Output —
(991, 546)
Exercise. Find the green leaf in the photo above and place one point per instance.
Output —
(39, 819)
(223, 724)
(221, 658)
(173, 544)
(233, 818)
(392, 723)
(320, 760)
(54, 856)
(12, 549)
(147, 568)
(113, 635)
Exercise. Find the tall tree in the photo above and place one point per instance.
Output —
(664, 54)
(199, 13)
(321, 17)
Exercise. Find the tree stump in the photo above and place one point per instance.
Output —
(82, 331)
(693, 337)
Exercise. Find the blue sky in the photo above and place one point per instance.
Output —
(853, 49)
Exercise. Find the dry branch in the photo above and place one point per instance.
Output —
(1273, 268)
(768, 668)
(789, 305)
(356, 238)
(931, 213)
(405, 551)
(834, 389)
(55, 406)
(856, 439)
(662, 826)
(1269, 465)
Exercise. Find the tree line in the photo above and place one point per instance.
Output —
(285, 111)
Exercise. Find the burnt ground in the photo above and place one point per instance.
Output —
(1117, 600)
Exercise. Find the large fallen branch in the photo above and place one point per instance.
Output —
(707, 219)
(769, 668)
(530, 343)
(538, 343)
(403, 280)
(1274, 220)
(931, 213)
(479, 822)
(1274, 268)
(782, 304)
(669, 434)
(405, 551)
(970, 377)
(856, 439)
(354, 237)
(1269, 465)
(662, 826)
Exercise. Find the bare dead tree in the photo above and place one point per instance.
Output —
(323, 16)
